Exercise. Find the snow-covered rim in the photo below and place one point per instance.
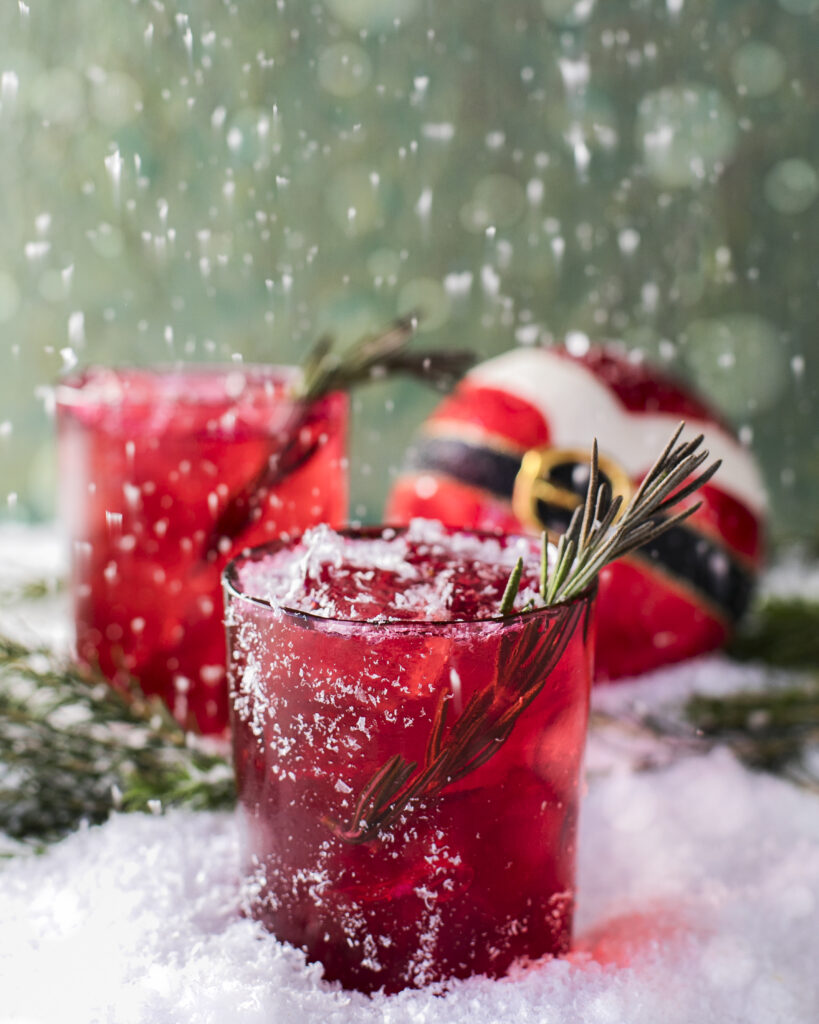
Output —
(76, 388)
(231, 584)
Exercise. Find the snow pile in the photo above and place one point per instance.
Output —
(793, 576)
(699, 902)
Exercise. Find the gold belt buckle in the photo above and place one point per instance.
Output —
(534, 483)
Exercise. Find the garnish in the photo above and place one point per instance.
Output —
(780, 631)
(477, 734)
(324, 371)
(769, 731)
(376, 357)
(595, 537)
(512, 587)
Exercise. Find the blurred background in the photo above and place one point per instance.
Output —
(221, 178)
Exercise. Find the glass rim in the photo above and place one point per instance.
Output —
(74, 388)
(230, 583)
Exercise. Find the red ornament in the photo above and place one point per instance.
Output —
(509, 449)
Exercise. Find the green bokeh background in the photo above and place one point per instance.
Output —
(208, 179)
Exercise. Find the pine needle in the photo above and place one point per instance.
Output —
(73, 749)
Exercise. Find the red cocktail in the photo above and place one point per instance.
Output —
(407, 761)
(163, 479)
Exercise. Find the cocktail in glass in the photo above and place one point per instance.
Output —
(165, 474)
(407, 760)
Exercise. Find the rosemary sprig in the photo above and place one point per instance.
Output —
(31, 590)
(325, 370)
(768, 730)
(512, 587)
(375, 357)
(73, 749)
(593, 539)
(476, 736)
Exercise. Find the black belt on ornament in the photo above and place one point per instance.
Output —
(546, 486)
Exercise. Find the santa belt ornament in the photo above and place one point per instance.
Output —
(545, 485)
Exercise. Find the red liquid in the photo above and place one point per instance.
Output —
(470, 878)
(149, 460)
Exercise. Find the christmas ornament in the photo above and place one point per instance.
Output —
(509, 449)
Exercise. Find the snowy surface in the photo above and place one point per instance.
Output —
(698, 903)
(794, 576)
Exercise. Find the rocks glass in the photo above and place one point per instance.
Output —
(408, 762)
(163, 477)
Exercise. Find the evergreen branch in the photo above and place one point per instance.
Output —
(73, 749)
(772, 723)
(31, 590)
(769, 730)
(780, 631)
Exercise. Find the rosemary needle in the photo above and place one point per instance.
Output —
(529, 656)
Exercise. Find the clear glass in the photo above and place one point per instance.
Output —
(464, 880)
(157, 472)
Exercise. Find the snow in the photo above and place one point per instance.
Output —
(698, 900)
(793, 576)
(320, 572)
